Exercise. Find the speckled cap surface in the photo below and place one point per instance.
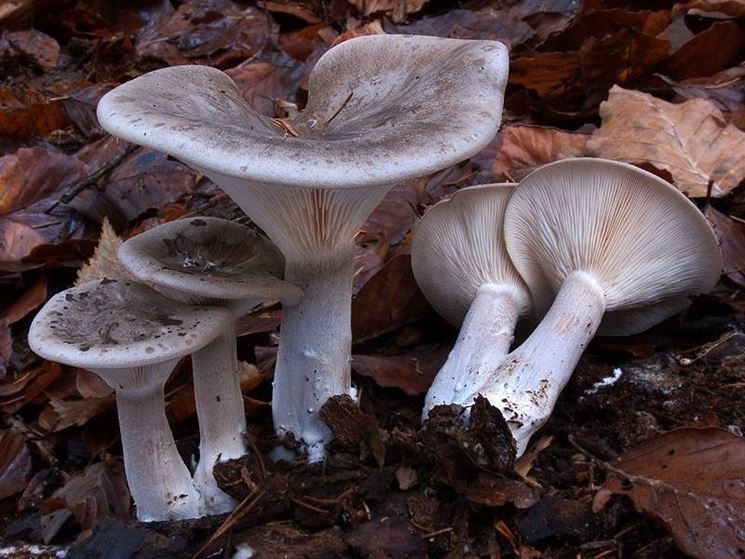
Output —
(208, 257)
(381, 109)
(111, 324)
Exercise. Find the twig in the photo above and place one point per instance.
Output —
(337, 111)
(303, 504)
(76, 188)
(436, 533)
(240, 511)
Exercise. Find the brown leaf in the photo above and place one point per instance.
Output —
(104, 263)
(731, 235)
(717, 48)
(98, 492)
(411, 372)
(389, 300)
(726, 89)
(692, 141)
(5, 348)
(220, 33)
(63, 414)
(301, 9)
(33, 173)
(523, 148)
(35, 46)
(90, 385)
(15, 463)
(30, 300)
(691, 480)
(261, 83)
(733, 8)
(33, 383)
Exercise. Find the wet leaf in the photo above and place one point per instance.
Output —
(692, 141)
(717, 48)
(15, 463)
(691, 481)
(411, 372)
(100, 491)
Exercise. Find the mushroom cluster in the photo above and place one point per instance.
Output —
(600, 246)
(592, 245)
(382, 111)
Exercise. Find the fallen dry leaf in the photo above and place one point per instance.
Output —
(691, 480)
(104, 263)
(15, 463)
(100, 491)
(34, 46)
(523, 148)
(711, 51)
(731, 235)
(33, 173)
(726, 89)
(692, 141)
(30, 300)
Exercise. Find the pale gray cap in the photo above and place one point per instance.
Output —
(208, 260)
(645, 243)
(114, 324)
(381, 109)
(459, 246)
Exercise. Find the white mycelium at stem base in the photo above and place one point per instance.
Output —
(382, 110)
(159, 481)
(461, 264)
(530, 379)
(599, 236)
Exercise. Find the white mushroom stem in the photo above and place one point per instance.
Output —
(222, 419)
(528, 383)
(158, 479)
(483, 343)
(315, 347)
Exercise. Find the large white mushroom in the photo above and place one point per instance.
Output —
(593, 236)
(461, 264)
(133, 337)
(216, 262)
(382, 110)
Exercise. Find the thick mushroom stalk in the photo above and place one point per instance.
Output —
(461, 264)
(597, 236)
(132, 337)
(382, 110)
(216, 262)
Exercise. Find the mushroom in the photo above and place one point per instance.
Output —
(216, 262)
(132, 337)
(382, 110)
(461, 264)
(595, 236)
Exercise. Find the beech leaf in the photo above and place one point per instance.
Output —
(692, 141)
(103, 263)
(691, 480)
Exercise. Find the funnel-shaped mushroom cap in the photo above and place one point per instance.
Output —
(119, 324)
(459, 246)
(381, 109)
(208, 259)
(640, 238)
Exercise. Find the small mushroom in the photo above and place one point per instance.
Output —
(594, 236)
(382, 110)
(461, 264)
(132, 337)
(215, 262)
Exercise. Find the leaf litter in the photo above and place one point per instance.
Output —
(658, 86)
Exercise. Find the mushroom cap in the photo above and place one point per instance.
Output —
(381, 109)
(627, 322)
(208, 258)
(459, 246)
(112, 324)
(642, 240)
